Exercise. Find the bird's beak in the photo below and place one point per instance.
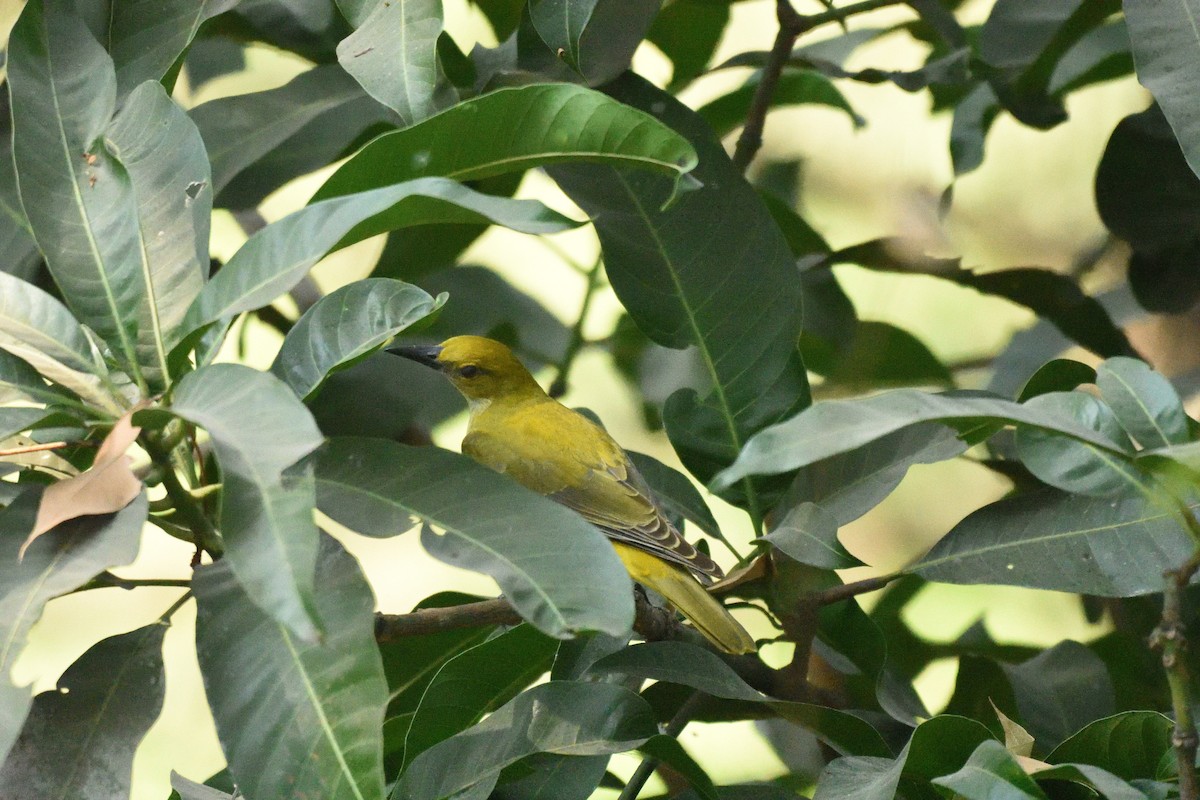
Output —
(426, 354)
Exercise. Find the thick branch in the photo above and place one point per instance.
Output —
(791, 27)
(1170, 639)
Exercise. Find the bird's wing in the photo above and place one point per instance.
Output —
(602, 486)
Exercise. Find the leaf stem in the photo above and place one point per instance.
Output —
(106, 580)
(575, 343)
(791, 26)
(178, 604)
(673, 728)
(204, 534)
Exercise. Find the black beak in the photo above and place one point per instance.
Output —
(426, 354)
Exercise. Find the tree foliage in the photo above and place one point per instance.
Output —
(113, 317)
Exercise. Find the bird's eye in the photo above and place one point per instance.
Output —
(470, 371)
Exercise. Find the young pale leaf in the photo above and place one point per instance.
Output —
(559, 717)
(558, 571)
(1062, 542)
(279, 255)
(161, 150)
(76, 195)
(393, 54)
(1072, 465)
(840, 426)
(543, 124)
(596, 38)
(476, 681)
(40, 330)
(80, 738)
(62, 560)
(991, 772)
(1145, 402)
(260, 430)
(295, 719)
(146, 37)
(689, 665)
(694, 275)
(1131, 745)
(346, 326)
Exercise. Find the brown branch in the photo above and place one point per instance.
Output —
(32, 448)
(853, 589)
(791, 26)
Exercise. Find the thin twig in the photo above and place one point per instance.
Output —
(106, 580)
(575, 343)
(673, 728)
(852, 589)
(32, 448)
(791, 26)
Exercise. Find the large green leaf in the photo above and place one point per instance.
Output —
(543, 124)
(554, 777)
(1131, 745)
(146, 37)
(162, 152)
(241, 130)
(596, 38)
(991, 772)
(20, 381)
(345, 326)
(80, 738)
(1067, 543)
(279, 255)
(1166, 52)
(41, 331)
(1059, 691)
(558, 717)
(295, 719)
(77, 196)
(476, 681)
(259, 430)
(839, 426)
(558, 571)
(58, 561)
(1144, 401)
(692, 276)
(393, 53)
(687, 664)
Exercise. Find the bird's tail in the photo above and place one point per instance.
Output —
(683, 591)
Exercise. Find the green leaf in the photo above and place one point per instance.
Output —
(874, 355)
(1066, 543)
(1104, 782)
(544, 124)
(688, 32)
(20, 381)
(160, 148)
(691, 276)
(474, 683)
(689, 665)
(295, 719)
(1130, 745)
(279, 255)
(1075, 466)
(58, 561)
(596, 38)
(1103, 54)
(1167, 54)
(991, 772)
(668, 750)
(1060, 690)
(558, 717)
(346, 326)
(259, 431)
(839, 426)
(243, 130)
(806, 532)
(190, 790)
(146, 37)
(558, 571)
(1057, 375)
(728, 112)
(80, 738)
(77, 197)
(1144, 401)
(553, 777)
(41, 331)
(393, 54)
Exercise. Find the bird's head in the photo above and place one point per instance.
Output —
(481, 369)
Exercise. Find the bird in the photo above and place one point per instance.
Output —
(517, 429)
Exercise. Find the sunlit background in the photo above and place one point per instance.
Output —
(1030, 204)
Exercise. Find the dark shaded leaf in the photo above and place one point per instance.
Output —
(259, 430)
(807, 532)
(345, 326)
(295, 719)
(596, 38)
(1059, 691)
(1131, 745)
(80, 738)
(557, 571)
(553, 777)
(1067, 543)
(545, 124)
(1057, 375)
(1104, 782)
(688, 32)
(185, 789)
(796, 87)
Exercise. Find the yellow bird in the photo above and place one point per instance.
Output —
(517, 429)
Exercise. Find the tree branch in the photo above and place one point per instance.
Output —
(673, 728)
(791, 26)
